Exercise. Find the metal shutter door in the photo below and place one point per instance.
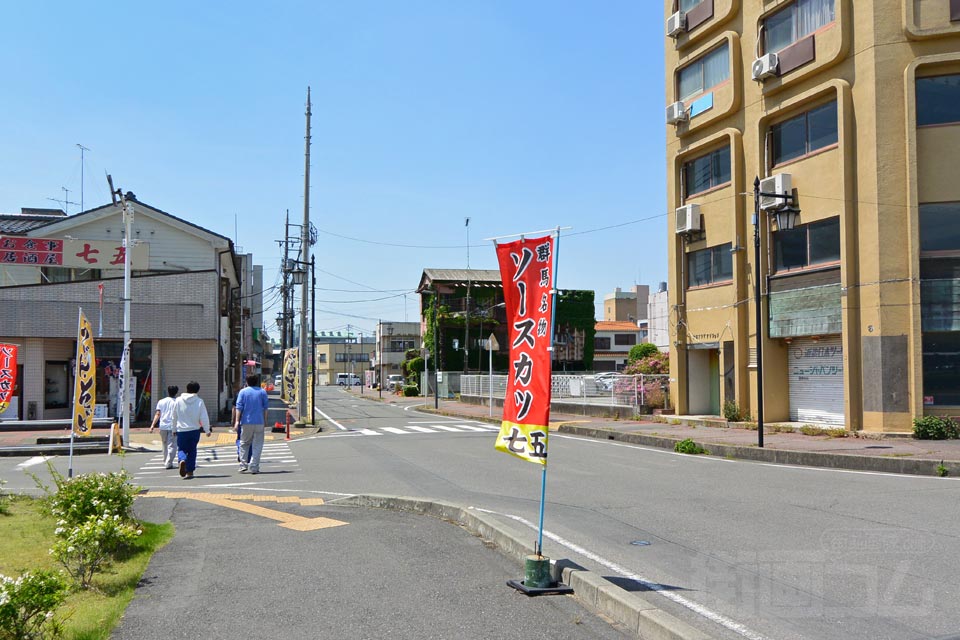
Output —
(816, 380)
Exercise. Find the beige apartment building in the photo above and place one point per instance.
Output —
(849, 110)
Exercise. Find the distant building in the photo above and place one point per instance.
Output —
(658, 318)
(188, 317)
(612, 344)
(393, 340)
(342, 352)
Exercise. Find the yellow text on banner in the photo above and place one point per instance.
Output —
(526, 441)
(85, 386)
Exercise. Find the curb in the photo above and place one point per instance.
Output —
(637, 614)
(852, 462)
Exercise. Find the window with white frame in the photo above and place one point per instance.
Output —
(796, 22)
(704, 73)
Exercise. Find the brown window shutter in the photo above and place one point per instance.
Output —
(796, 55)
(700, 14)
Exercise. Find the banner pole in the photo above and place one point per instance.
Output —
(76, 376)
(553, 323)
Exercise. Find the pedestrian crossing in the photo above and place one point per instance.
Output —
(275, 456)
(423, 427)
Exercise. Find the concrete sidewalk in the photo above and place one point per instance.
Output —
(782, 443)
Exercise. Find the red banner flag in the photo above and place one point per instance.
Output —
(8, 374)
(526, 268)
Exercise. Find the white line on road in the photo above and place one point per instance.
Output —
(696, 607)
(29, 462)
(331, 420)
(446, 428)
(421, 429)
(399, 432)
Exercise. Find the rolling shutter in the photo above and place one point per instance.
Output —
(816, 380)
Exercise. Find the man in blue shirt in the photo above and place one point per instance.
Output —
(249, 420)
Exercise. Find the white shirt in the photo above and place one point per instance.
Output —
(165, 407)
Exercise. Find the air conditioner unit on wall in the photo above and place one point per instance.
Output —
(780, 183)
(765, 66)
(676, 24)
(676, 112)
(688, 218)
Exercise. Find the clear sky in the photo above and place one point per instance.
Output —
(519, 114)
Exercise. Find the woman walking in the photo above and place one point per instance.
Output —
(189, 417)
(164, 416)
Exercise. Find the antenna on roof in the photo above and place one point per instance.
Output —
(66, 200)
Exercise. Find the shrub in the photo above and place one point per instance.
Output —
(731, 411)
(689, 446)
(90, 495)
(641, 351)
(27, 604)
(411, 390)
(654, 395)
(85, 549)
(655, 363)
(935, 428)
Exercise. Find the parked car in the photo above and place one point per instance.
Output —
(277, 380)
(394, 381)
(348, 379)
(605, 380)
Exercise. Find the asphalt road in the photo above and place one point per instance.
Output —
(228, 574)
(736, 549)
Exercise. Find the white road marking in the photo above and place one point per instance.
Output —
(446, 428)
(696, 607)
(399, 432)
(331, 420)
(29, 462)
(370, 432)
(470, 427)
(421, 429)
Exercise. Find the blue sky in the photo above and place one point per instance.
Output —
(522, 115)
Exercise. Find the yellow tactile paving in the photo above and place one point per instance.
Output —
(286, 520)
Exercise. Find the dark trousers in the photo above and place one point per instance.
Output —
(187, 444)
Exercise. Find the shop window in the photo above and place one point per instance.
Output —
(941, 368)
(940, 226)
(603, 344)
(624, 339)
(938, 100)
(710, 266)
(67, 274)
(707, 172)
(808, 245)
(803, 134)
(796, 22)
(55, 387)
(704, 73)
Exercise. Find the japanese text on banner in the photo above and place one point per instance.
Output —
(84, 391)
(526, 268)
(8, 374)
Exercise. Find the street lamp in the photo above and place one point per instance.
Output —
(785, 217)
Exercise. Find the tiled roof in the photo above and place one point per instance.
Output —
(16, 223)
(462, 275)
(609, 325)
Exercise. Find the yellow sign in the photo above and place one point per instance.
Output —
(85, 386)
(526, 441)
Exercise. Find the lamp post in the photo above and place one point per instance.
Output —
(786, 217)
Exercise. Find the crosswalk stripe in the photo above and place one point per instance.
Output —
(470, 427)
(446, 428)
(369, 432)
(421, 429)
(399, 432)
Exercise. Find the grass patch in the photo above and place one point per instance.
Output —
(26, 535)
(690, 447)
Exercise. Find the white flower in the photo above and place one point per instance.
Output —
(139, 532)
(70, 549)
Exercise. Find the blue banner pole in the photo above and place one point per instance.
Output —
(553, 324)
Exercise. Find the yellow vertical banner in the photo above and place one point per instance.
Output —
(310, 382)
(85, 381)
(291, 375)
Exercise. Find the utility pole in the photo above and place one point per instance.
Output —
(304, 259)
(466, 309)
(127, 208)
(284, 318)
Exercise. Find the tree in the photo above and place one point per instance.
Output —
(640, 351)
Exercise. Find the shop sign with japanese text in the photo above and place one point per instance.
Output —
(526, 268)
(72, 252)
(8, 374)
(85, 385)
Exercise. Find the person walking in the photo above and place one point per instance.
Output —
(189, 417)
(164, 417)
(250, 419)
